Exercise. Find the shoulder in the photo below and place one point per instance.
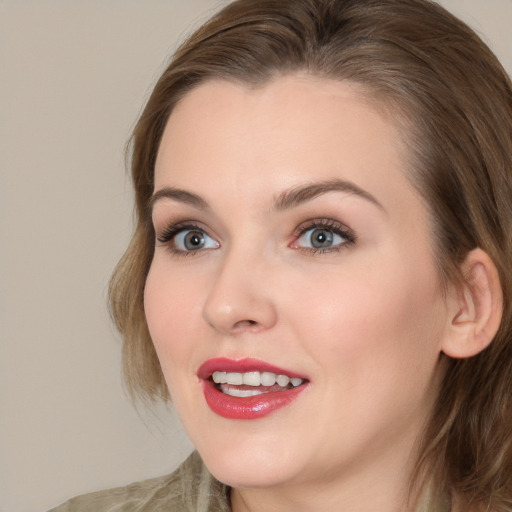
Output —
(130, 498)
(177, 491)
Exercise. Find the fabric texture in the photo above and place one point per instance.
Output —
(189, 488)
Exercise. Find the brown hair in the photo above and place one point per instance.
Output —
(455, 102)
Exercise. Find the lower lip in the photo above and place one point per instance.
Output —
(248, 408)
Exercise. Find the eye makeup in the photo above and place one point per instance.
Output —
(327, 235)
(312, 237)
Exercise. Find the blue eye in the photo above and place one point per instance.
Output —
(193, 240)
(183, 239)
(320, 238)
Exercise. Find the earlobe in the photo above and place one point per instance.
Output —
(476, 307)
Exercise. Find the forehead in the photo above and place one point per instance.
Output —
(292, 130)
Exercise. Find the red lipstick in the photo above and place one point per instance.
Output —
(271, 398)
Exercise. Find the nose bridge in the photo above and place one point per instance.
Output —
(238, 299)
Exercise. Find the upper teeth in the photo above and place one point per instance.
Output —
(255, 379)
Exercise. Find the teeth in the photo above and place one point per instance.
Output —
(241, 393)
(251, 378)
(268, 379)
(234, 378)
(255, 379)
(219, 377)
(283, 380)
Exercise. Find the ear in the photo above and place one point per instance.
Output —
(476, 307)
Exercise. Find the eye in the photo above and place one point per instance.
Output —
(320, 238)
(323, 236)
(193, 240)
(187, 239)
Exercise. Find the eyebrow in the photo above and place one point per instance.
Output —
(284, 201)
(176, 194)
(303, 193)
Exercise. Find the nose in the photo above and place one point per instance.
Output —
(239, 299)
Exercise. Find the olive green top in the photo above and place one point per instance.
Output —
(189, 488)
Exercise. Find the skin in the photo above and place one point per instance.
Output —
(364, 321)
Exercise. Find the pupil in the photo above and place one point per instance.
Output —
(321, 238)
(194, 240)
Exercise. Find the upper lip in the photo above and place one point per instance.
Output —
(241, 366)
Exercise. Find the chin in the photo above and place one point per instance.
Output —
(250, 462)
(244, 474)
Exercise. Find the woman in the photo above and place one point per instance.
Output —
(320, 273)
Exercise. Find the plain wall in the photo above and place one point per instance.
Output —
(73, 77)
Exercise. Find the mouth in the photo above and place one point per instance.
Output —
(255, 383)
(248, 388)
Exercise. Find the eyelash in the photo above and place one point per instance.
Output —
(169, 234)
(330, 225)
(171, 231)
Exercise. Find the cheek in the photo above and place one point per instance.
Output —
(388, 318)
(170, 302)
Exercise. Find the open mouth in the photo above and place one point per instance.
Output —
(255, 383)
(248, 393)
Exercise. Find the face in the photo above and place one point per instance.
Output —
(290, 242)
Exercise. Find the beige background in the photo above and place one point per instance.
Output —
(73, 76)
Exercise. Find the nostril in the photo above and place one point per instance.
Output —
(244, 324)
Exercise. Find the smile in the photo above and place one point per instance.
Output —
(256, 379)
(248, 388)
